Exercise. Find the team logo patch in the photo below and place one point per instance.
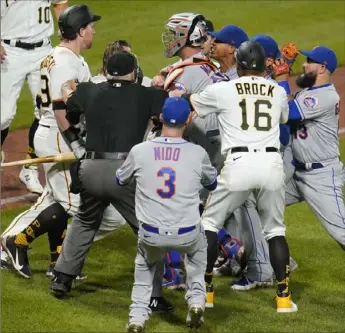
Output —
(179, 86)
(311, 102)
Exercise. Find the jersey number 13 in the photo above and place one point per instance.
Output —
(257, 115)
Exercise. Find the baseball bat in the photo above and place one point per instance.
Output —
(45, 159)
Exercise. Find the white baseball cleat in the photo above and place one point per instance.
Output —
(29, 177)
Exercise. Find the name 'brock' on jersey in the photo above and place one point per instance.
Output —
(249, 111)
(57, 68)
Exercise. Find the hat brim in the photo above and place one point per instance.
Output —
(214, 35)
(96, 18)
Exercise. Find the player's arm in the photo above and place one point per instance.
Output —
(60, 75)
(205, 102)
(59, 6)
(208, 173)
(125, 174)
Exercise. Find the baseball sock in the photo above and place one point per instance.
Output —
(31, 150)
(280, 261)
(56, 235)
(4, 134)
(211, 254)
(52, 218)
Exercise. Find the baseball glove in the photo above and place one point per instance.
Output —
(289, 52)
(279, 67)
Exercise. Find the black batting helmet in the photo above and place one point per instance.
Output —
(251, 55)
(73, 18)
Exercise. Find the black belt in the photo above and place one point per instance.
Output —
(23, 45)
(246, 150)
(46, 126)
(307, 166)
(94, 155)
(155, 230)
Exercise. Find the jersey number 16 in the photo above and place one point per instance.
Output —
(257, 115)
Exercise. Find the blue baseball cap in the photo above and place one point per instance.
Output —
(231, 35)
(322, 55)
(175, 110)
(269, 44)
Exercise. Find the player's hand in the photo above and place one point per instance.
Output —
(67, 89)
(158, 81)
(281, 69)
(3, 54)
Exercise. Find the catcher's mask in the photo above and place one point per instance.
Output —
(251, 55)
(181, 30)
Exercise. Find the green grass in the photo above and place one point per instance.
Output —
(307, 23)
(101, 303)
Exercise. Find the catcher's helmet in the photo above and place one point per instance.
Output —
(251, 55)
(74, 18)
(183, 29)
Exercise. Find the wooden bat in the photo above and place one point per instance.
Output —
(46, 159)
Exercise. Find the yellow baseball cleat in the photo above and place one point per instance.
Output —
(209, 296)
(285, 304)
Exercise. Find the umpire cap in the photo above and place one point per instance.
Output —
(251, 55)
(121, 63)
(74, 18)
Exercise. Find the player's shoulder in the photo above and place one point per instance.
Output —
(63, 56)
(318, 97)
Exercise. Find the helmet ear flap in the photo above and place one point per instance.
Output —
(196, 20)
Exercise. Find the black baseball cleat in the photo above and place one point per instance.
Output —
(5, 265)
(18, 255)
(61, 284)
(160, 304)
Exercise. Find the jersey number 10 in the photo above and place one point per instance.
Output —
(44, 15)
(257, 115)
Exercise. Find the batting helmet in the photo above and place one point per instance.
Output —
(183, 29)
(251, 55)
(74, 18)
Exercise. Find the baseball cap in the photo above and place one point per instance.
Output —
(322, 55)
(175, 111)
(231, 35)
(121, 63)
(269, 44)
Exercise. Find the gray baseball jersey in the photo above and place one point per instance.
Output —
(169, 173)
(193, 75)
(317, 137)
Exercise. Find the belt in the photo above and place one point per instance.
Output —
(93, 155)
(246, 150)
(155, 230)
(307, 166)
(46, 126)
(23, 45)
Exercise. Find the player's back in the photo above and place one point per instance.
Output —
(169, 172)
(61, 65)
(250, 111)
(27, 20)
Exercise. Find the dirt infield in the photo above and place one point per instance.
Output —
(13, 192)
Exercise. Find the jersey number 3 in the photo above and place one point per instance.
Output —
(169, 182)
(257, 115)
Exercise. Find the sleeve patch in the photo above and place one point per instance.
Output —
(310, 102)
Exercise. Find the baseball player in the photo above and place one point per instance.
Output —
(319, 177)
(245, 222)
(26, 28)
(249, 111)
(184, 37)
(168, 171)
(63, 63)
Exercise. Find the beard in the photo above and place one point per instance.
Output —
(306, 80)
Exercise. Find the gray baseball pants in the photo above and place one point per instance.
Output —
(99, 188)
(151, 249)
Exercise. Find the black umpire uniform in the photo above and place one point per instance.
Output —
(117, 113)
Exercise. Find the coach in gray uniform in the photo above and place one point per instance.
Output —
(107, 108)
(169, 172)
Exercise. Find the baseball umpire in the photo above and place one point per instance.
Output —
(107, 107)
(169, 171)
